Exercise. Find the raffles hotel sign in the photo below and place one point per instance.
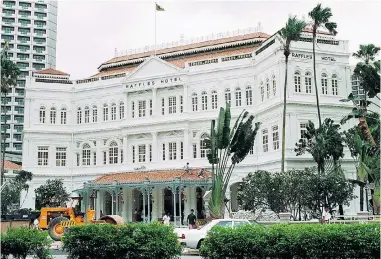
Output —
(155, 83)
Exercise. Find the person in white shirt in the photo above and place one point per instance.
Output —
(326, 215)
(166, 219)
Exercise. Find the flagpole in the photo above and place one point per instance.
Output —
(155, 29)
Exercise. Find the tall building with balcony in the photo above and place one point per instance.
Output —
(30, 28)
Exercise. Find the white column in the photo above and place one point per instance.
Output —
(125, 204)
(98, 205)
(185, 98)
(125, 105)
(186, 203)
(155, 204)
(99, 152)
(154, 147)
(166, 151)
(177, 103)
(186, 144)
(178, 150)
(162, 192)
(154, 102)
(125, 150)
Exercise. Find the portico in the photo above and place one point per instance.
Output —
(147, 195)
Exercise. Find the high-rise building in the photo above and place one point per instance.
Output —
(30, 28)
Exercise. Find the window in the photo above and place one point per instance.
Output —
(228, 96)
(204, 101)
(63, 116)
(324, 83)
(262, 92)
(150, 107)
(142, 108)
(308, 82)
(181, 104)
(86, 155)
(181, 150)
(265, 140)
(132, 109)
(297, 82)
(95, 158)
(172, 150)
(121, 110)
(203, 149)
(79, 116)
(95, 113)
(42, 115)
(274, 85)
(214, 99)
(357, 90)
(251, 152)
(267, 88)
(87, 114)
(238, 97)
(249, 95)
(194, 151)
(303, 130)
(163, 152)
(171, 104)
(104, 157)
(142, 153)
(53, 114)
(113, 111)
(113, 153)
(334, 85)
(150, 153)
(194, 102)
(162, 106)
(78, 159)
(133, 154)
(105, 112)
(43, 155)
(225, 224)
(61, 156)
(275, 138)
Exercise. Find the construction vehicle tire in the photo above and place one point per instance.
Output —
(55, 229)
(113, 219)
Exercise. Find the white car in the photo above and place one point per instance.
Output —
(192, 238)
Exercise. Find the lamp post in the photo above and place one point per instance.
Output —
(3, 53)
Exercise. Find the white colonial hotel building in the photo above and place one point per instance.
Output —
(130, 129)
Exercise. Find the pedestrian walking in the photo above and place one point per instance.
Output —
(191, 220)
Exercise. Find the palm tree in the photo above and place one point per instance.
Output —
(224, 143)
(367, 53)
(291, 32)
(320, 18)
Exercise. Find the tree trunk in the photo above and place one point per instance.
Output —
(314, 65)
(284, 117)
(363, 126)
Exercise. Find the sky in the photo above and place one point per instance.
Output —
(89, 31)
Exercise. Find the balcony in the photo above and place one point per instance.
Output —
(8, 22)
(10, 15)
(23, 41)
(24, 32)
(39, 51)
(9, 5)
(8, 32)
(23, 50)
(24, 24)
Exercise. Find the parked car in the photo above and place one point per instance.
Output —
(192, 238)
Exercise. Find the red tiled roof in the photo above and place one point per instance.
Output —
(188, 47)
(10, 165)
(152, 176)
(51, 71)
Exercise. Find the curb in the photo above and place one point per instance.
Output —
(190, 252)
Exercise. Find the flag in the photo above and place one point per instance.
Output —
(159, 8)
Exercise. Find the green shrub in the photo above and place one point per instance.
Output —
(294, 241)
(21, 242)
(103, 241)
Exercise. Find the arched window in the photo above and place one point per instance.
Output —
(203, 149)
(204, 101)
(308, 82)
(86, 154)
(267, 88)
(42, 114)
(113, 111)
(95, 113)
(121, 110)
(113, 153)
(262, 92)
(228, 96)
(214, 99)
(324, 83)
(274, 85)
(194, 102)
(335, 89)
(249, 95)
(87, 114)
(238, 97)
(53, 115)
(105, 112)
(79, 115)
(298, 88)
(63, 115)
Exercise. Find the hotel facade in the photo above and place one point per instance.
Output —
(123, 136)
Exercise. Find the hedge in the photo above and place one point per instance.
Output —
(105, 241)
(20, 242)
(293, 241)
